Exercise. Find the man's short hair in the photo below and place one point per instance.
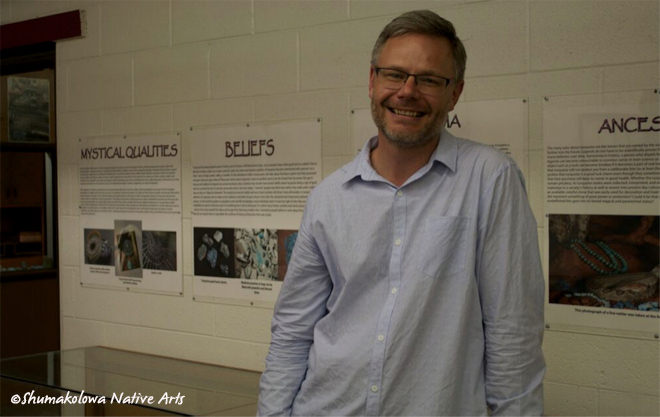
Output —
(427, 23)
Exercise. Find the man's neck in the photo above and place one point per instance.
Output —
(397, 164)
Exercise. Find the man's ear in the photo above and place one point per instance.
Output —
(372, 76)
(456, 94)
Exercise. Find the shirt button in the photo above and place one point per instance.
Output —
(374, 388)
(399, 193)
(381, 337)
(394, 290)
(397, 242)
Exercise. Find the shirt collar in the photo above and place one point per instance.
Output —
(445, 153)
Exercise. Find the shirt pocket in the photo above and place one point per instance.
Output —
(443, 246)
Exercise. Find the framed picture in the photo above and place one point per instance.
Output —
(28, 107)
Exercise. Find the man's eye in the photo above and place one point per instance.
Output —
(395, 76)
(431, 82)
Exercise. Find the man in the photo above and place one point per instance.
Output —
(415, 285)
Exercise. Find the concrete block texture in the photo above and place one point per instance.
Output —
(71, 126)
(612, 403)
(5, 12)
(272, 15)
(603, 362)
(100, 83)
(134, 25)
(77, 333)
(254, 65)
(186, 190)
(199, 20)
(176, 74)
(69, 190)
(361, 9)
(143, 119)
(493, 48)
(200, 348)
(249, 324)
(570, 400)
(187, 240)
(536, 185)
(569, 34)
(212, 112)
(178, 313)
(28, 9)
(333, 163)
(69, 277)
(495, 87)
(631, 77)
(337, 55)
(115, 306)
(69, 242)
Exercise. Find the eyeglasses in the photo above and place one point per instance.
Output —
(392, 79)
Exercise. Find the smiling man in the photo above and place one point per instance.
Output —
(415, 285)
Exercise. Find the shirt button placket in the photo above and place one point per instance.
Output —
(394, 277)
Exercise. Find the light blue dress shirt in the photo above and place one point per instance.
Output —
(426, 299)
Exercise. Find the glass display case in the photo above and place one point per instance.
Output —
(105, 381)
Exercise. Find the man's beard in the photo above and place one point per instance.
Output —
(406, 140)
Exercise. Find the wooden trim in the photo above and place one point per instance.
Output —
(44, 29)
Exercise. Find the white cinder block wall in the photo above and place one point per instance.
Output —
(153, 66)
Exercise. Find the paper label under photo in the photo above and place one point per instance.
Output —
(250, 185)
(130, 205)
(603, 210)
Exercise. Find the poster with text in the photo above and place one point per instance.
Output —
(250, 185)
(602, 188)
(499, 123)
(130, 212)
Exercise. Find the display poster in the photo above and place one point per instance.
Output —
(250, 185)
(499, 123)
(602, 188)
(130, 212)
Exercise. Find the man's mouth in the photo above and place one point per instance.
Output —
(409, 113)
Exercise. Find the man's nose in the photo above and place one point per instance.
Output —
(409, 87)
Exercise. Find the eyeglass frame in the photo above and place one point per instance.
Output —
(408, 75)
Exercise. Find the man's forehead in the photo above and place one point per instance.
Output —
(422, 48)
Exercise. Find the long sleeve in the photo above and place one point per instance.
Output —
(301, 304)
(511, 290)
